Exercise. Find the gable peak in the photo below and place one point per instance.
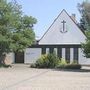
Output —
(64, 11)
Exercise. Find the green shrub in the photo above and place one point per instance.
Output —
(74, 62)
(42, 62)
(5, 66)
(62, 63)
(47, 61)
(73, 66)
(52, 61)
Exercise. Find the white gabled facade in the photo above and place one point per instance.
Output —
(54, 36)
(63, 36)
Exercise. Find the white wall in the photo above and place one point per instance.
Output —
(47, 50)
(63, 53)
(82, 59)
(31, 55)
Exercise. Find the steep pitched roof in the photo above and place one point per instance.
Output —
(57, 20)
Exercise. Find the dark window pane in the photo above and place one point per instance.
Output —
(43, 50)
(67, 54)
(51, 50)
(59, 52)
(75, 53)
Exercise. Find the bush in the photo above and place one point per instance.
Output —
(5, 66)
(73, 66)
(46, 61)
(52, 61)
(42, 62)
(62, 63)
(74, 62)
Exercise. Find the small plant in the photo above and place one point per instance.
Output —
(62, 63)
(74, 62)
(42, 62)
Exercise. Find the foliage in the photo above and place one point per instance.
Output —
(62, 63)
(42, 62)
(52, 61)
(70, 66)
(73, 66)
(86, 46)
(16, 29)
(5, 66)
(84, 9)
(47, 61)
(74, 62)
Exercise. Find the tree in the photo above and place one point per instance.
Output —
(84, 9)
(16, 29)
(86, 45)
(23, 36)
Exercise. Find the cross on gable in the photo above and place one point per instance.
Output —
(63, 22)
(63, 31)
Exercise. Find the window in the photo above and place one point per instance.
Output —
(59, 52)
(75, 54)
(51, 50)
(67, 54)
(43, 50)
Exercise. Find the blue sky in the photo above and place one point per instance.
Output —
(45, 11)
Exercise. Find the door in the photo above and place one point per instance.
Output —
(19, 57)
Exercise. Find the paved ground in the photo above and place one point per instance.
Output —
(21, 77)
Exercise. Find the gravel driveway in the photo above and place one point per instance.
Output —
(21, 77)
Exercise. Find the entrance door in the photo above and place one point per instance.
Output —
(19, 57)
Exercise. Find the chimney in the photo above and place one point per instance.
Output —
(73, 16)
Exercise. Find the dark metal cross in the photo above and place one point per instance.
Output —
(63, 25)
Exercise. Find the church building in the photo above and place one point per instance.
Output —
(63, 37)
